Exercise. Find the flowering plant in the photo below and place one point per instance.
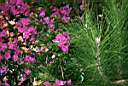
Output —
(31, 39)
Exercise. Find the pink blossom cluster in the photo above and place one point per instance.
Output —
(58, 83)
(15, 37)
(62, 13)
(46, 20)
(14, 7)
(22, 28)
(3, 69)
(18, 39)
(12, 42)
(63, 40)
(29, 59)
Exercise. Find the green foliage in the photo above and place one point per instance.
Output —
(98, 48)
(1, 1)
(100, 42)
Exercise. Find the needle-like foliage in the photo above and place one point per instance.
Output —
(101, 44)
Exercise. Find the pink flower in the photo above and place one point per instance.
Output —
(62, 40)
(69, 82)
(46, 20)
(3, 33)
(15, 41)
(46, 83)
(3, 69)
(7, 55)
(29, 59)
(15, 57)
(1, 57)
(40, 50)
(65, 10)
(21, 30)
(4, 8)
(28, 32)
(53, 8)
(65, 19)
(26, 35)
(60, 82)
(22, 25)
(17, 50)
(55, 14)
(32, 30)
(27, 71)
(3, 46)
(51, 25)
(11, 45)
(42, 13)
(64, 48)
(15, 7)
(23, 22)
(23, 78)
(19, 7)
